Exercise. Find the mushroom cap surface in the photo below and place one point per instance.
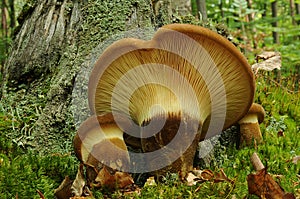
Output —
(184, 69)
(258, 110)
(99, 131)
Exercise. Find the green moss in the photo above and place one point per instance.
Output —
(103, 19)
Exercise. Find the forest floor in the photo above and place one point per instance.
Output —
(23, 171)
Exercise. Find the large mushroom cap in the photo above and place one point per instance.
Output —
(183, 69)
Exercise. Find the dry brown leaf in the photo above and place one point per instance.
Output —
(221, 177)
(263, 185)
(104, 178)
(116, 180)
(130, 189)
(272, 60)
(123, 179)
(79, 182)
(64, 189)
(205, 174)
(267, 55)
(199, 176)
(192, 179)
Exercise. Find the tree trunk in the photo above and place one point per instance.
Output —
(297, 7)
(265, 6)
(12, 13)
(4, 15)
(221, 9)
(275, 24)
(292, 12)
(201, 5)
(56, 40)
(251, 15)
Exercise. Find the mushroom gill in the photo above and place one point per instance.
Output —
(186, 84)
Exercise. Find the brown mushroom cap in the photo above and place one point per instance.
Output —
(200, 56)
(98, 132)
(255, 113)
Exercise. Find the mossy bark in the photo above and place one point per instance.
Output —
(53, 44)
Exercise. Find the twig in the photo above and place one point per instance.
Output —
(256, 162)
(41, 194)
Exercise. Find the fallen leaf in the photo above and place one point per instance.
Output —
(104, 178)
(115, 180)
(123, 179)
(192, 179)
(272, 60)
(207, 175)
(267, 55)
(64, 189)
(221, 177)
(204, 174)
(263, 185)
(198, 176)
(130, 189)
(79, 182)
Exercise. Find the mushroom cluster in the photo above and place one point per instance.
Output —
(162, 97)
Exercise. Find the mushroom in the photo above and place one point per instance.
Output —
(185, 85)
(97, 138)
(249, 125)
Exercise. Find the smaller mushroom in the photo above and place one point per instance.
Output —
(99, 143)
(249, 125)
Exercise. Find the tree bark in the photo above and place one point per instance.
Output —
(201, 5)
(297, 8)
(292, 12)
(251, 15)
(57, 39)
(12, 13)
(265, 6)
(4, 15)
(275, 23)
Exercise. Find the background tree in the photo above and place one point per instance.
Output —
(201, 7)
(275, 22)
(292, 12)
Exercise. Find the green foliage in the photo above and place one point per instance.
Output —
(23, 171)
(23, 174)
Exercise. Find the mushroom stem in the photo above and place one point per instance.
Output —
(177, 141)
(250, 132)
(249, 125)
